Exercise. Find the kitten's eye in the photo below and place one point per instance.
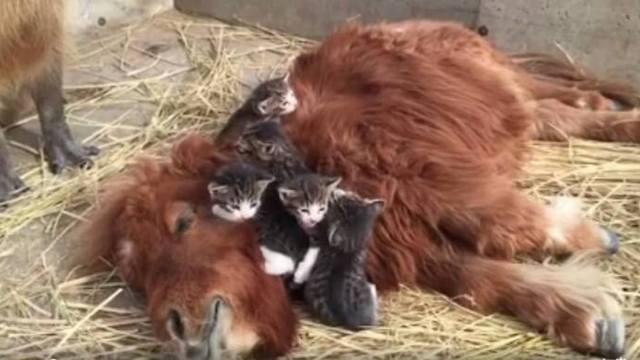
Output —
(269, 149)
(323, 209)
(235, 207)
(254, 204)
(304, 211)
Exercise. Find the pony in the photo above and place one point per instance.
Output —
(430, 117)
(202, 278)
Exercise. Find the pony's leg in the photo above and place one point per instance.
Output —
(573, 303)
(514, 224)
(571, 96)
(556, 121)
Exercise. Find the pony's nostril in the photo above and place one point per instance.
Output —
(195, 352)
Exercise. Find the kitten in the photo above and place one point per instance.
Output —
(237, 190)
(282, 242)
(334, 266)
(307, 197)
(264, 144)
(271, 98)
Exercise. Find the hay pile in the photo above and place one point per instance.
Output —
(47, 313)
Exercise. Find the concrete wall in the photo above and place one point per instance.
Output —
(314, 18)
(604, 35)
(90, 15)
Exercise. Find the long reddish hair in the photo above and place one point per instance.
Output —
(434, 120)
(136, 228)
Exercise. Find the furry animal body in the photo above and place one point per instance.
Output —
(201, 276)
(31, 57)
(431, 118)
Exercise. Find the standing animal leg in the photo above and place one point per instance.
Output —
(514, 224)
(10, 182)
(557, 121)
(59, 147)
(573, 303)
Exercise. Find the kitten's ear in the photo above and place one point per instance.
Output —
(286, 195)
(334, 239)
(377, 205)
(217, 189)
(262, 184)
(262, 106)
(333, 182)
(242, 147)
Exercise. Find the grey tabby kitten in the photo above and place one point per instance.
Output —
(236, 191)
(336, 287)
(282, 242)
(271, 98)
(264, 144)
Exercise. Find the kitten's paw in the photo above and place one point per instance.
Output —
(278, 268)
(276, 263)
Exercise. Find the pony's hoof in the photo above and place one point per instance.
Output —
(609, 338)
(610, 240)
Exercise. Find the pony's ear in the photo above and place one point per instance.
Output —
(197, 155)
(179, 217)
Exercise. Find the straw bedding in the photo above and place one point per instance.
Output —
(47, 312)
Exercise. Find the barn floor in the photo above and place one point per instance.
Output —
(136, 89)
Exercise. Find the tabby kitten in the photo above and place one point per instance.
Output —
(271, 98)
(264, 144)
(236, 191)
(282, 242)
(336, 287)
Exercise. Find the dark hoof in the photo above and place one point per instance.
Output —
(610, 240)
(610, 338)
(10, 187)
(71, 155)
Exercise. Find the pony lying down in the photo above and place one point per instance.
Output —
(202, 278)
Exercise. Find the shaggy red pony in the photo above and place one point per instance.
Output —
(202, 278)
(431, 118)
